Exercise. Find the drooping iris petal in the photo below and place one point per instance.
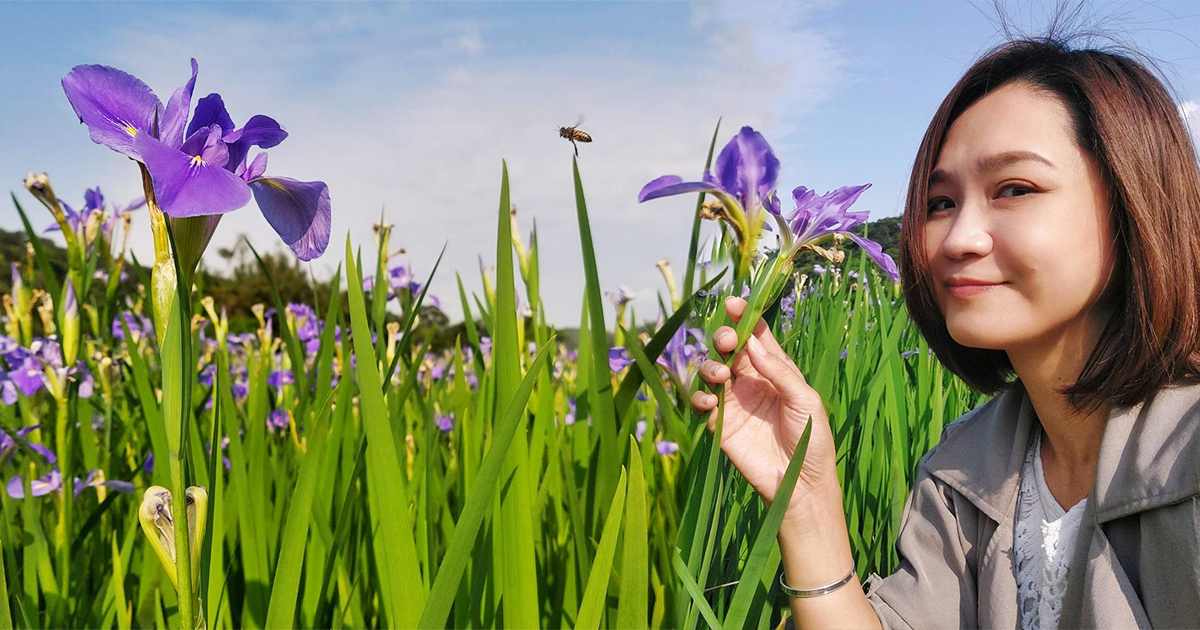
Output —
(747, 168)
(38, 487)
(875, 251)
(210, 110)
(186, 185)
(299, 212)
(668, 185)
(170, 130)
(116, 106)
(260, 131)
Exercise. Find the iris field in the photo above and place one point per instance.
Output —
(335, 472)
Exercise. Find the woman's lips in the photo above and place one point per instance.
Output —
(968, 290)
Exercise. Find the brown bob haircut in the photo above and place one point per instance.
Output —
(1125, 118)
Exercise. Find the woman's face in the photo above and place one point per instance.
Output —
(1015, 204)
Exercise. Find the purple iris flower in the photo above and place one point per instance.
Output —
(27, 376)
(743, 181)
(278, 420)
(622, 297)
(207, 375)
(199, 168)
(666, 447)
(570, 417)
(9, 445)
(41, 486)
(52, 482)
(618, 359)
(279, 378)
(640, 430)
(93, 201)
(8, 390)
(445, 422)
(818, 216)
(682, 357)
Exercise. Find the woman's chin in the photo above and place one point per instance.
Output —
(979, 335)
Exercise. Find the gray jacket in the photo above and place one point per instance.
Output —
(1136, 561)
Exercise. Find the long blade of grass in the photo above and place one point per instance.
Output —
(592, 604)
(398, 555)
(634, 607)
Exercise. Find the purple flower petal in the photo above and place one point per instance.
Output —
(619, 359)
(210, 110)
(170, 131)
(747, 168)
(875, 251)
(114, 105)
(668, 185)
(260, 131)
(254, 169)
(38, 487)
(188, 186)
(299, 212)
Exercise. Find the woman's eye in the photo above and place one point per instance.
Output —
(936, 205)
(1026, 190)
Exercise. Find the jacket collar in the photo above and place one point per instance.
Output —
(1149, 455)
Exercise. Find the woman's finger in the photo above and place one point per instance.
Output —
(780, 371)
(713, 372)
(703, 401)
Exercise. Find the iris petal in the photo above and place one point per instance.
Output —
(186, 186)
(875, 251)
(747, 168)
(175, 116)
(210, 110)
(668, 185)
(261, 131)
(114, 105)
(299, 212)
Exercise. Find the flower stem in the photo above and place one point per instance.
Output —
(183, 554)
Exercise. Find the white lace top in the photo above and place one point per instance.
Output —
(1043, 538)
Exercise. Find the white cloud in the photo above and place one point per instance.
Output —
(390, 120)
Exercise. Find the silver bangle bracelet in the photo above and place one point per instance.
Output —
(815, 592)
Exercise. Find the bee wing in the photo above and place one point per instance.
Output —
(580, 122)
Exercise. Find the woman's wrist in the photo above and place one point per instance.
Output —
(814, 541)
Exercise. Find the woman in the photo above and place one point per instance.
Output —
(1051, 232)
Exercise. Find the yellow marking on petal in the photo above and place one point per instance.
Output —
(197, 160)
(130, 130)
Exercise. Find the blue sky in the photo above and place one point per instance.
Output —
(410, 108)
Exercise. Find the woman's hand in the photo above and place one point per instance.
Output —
(767, 406)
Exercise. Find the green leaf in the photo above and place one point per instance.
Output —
(602, 408)
(396, 552)
(592, 604)
(634, 606)
(693, 590)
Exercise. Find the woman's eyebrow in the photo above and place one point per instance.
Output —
(992, 163)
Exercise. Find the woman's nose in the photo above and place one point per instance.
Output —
(969, 235)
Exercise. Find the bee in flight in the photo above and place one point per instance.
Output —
(575, 135)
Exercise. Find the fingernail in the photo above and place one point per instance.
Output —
(755, 345)
(711, 400)
(725, 336)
